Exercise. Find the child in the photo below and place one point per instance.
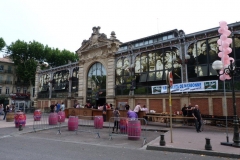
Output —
(116, 115)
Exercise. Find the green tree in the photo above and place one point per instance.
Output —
(24, 56)
(55, 57)
(27, 55)
(2, 43)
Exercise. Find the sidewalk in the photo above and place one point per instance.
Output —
(185, 138)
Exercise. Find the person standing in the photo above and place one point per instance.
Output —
(198, 119)
(137, 108)
(189, 114)
(127, 106)
(62, 107)
(104, 112)
(52, 106)
(58, 107)
(132, 114)
(184, 112)
(116, 115)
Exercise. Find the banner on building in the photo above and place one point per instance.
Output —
(187, 87)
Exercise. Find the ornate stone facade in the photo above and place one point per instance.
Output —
(98, 49)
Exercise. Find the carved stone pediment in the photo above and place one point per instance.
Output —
(96, 40)
(98, 46)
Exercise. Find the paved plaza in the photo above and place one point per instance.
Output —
(185, 138)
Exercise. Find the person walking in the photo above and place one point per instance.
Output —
(198, 119)
(5, 110)
(116, 115)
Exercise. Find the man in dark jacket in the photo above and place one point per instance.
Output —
(5, 111)
(198, 119)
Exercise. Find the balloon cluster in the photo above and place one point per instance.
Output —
(224, 48)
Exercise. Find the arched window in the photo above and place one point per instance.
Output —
(96, 83)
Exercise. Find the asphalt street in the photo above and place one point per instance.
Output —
(36, 147)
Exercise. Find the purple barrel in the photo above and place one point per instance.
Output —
(20, 118)
(134, 129)
(61, 116)
(53, 119)
(98, 122)
(37, 115)
(123, 125)
(73, 123)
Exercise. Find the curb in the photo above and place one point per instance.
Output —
(208, 153)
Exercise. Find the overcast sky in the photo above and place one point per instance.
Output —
(64, 24)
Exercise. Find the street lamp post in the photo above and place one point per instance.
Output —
(230, 70)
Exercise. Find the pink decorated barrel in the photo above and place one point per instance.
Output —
(123, 126)
(98, 122)
(134, 130)
(20, 118)
(53, 119)
(37, 115)
(61, 116)
(73, 123)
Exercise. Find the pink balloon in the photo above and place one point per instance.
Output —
(220, 48)
(229, 40)
(227, 76)
(226, 28)
(226, 57)
(227, 50)
(226, 32)
(225, 62)
(222, 77)
(223, 37)
(221, 72)
(219, 42)
(230, 58)
(222, 23)
(220, 54)
(225, 45)
(220, 30)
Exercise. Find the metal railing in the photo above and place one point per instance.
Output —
(43, 122)
(134, 128)
(90, 124)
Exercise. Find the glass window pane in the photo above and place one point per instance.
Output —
(202, 52)
(137, 64)
(159, 75)
(150, 41)
(202, 70)
(151, 76)
(143, 77)
(160, 39)
(144, 67)
(213, 50)
(212, 71)
(170, 36)
(164, 37)
(237, 48)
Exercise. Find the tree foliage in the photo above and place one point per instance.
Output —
(26, 56)
(2, 43)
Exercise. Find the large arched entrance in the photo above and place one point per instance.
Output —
(96, 84)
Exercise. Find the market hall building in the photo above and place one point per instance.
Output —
(135, 72)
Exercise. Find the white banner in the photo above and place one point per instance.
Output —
(187, 87)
